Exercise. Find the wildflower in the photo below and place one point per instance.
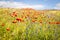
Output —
(57, 22)
(14, 14)
(25, 16)
(2, 24)
(8, 29)
(52, 22)
(14, 21)
(19, 19)
(33, 20)
(40, 21)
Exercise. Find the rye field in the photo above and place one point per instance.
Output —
(29, 24)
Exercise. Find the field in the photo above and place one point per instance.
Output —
(29, 24)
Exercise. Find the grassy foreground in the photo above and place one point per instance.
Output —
(29, 24)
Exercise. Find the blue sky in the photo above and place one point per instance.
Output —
(35, 4)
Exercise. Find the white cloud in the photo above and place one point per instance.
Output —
(5, 4)
(57, 6)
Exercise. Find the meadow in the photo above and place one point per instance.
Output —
(29, 24)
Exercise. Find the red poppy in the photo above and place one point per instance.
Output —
(18, 19)
(35, 16)
(57, 22)
(52, 22)
(40, 21)
(14, 21)
(2, 24)
(14, 14)
(8, 29)
(33, 20)
(25, 16)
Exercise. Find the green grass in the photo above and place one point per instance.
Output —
(29, 30)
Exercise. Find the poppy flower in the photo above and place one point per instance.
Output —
(14, 14)
(19, 19)
(8, 29)
(57, 22)
(52, 22)
(40, 21)
(25, 16)
(14, 21)
(2, 24)
(35, 16)
(33, 20)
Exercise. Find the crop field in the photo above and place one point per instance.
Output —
(29, 24)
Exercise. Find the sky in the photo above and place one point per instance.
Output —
(35, 4)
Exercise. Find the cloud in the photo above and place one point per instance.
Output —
(57, 6)
(8, 4)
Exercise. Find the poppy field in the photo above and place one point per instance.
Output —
(29, 24)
